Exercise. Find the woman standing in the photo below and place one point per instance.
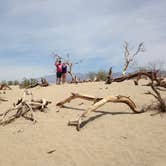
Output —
(58, 65)
(64, 72)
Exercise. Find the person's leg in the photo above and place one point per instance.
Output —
(58, 78)
(65, 74)
(62, 78)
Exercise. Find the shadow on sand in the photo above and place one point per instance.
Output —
(100, 114)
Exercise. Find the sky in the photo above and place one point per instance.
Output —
(93, 31)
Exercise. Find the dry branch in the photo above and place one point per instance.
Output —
(2, 99)
(70, 72)
(24, 108)
(43, 83)
(76, 96)
(98, 103)
(5, 87)
(160, 106)
(153, 76)
(130, 57)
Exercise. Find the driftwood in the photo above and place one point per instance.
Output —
(24, 108)
(74, 78)
(76, 96)
(43, 83)
(2, 99)
(109, 77)
(98, 102)
(157, 81)
(5, 87)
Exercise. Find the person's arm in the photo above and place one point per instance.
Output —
(56, 62)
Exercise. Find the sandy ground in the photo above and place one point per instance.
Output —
(112, 137)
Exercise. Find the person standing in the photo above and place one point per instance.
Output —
(58, 65)
(64, 72)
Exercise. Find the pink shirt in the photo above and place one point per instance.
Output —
(59, 67)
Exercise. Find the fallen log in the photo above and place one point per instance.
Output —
(149, 74)
(138, 75)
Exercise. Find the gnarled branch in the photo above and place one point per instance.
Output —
(22, 108)
(98, 103)
(130, 57)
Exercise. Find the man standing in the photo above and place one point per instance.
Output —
(58, 65)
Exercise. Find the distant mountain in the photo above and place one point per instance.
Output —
(52, 78)
(117, 74)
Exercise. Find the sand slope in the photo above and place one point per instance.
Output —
(113, 136)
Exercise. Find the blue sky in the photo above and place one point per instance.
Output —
(91, 30)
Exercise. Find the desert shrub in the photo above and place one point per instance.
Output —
(26, 82)
(91, 75)
(15, 82)
(101, 75)
(3, 82)
(10, 82)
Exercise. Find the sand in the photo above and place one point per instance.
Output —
(114, 136)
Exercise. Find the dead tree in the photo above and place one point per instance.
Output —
(70, 72)
(44, 82)
(98, 102)
(70, 64)
(157, 81)
(25, 107)
(109, 77)
(129, 57)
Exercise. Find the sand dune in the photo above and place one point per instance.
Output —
(113, 136)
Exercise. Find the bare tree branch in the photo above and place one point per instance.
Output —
(129, 57)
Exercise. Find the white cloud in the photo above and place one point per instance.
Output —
(86, 29)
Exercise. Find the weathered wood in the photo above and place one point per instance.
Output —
(2, 99)
(161, 102)
(5, 87)
(76, 96)
(98, 103)
(130, 57)
(153, 77)
(22, 108)
(43, 83)
(109, 77)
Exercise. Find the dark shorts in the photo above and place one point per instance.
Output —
(58, 74)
